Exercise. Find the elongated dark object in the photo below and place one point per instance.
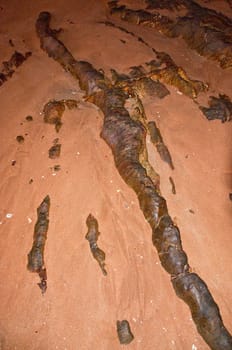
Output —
(157, 140)
(92, 236)
(36, 255)
(126, 138)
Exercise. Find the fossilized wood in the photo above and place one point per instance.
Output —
(125, 335)
(219, 108)
(36, 255)
(126, 138)
(92, 236)
(157, 140)
(162, 69)
(9, 66)
(54, 151)
(53, 111)
(203, 29)
(166, 4)
(172, 184)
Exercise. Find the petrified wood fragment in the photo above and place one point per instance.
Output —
(163, 68)
(54, 151)
(125, 335)
(9, 66)
(53, 111)
(204, 310)
(172, 184)
(92, 236)
(157, 140)
(173, 75)
(219, 108)
(203, 29)
(139, 82)
(126, 138)
(36, 255)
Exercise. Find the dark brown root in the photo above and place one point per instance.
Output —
(9, 66)
(126, 138)
(125, 335)
(53, 111)
(92, 236)
(219, 108)
(203, 29)
(172, 184)
(36, 255)
(157, 140)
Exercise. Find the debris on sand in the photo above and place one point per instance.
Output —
(92, 236)
(54, 151)
(29, 118)
(53, 111)
(203, 29)
(20, 139)
(36, 255)
(125, 335)
(157, 140)
(219, 108)
(172, 184)
(8, 67)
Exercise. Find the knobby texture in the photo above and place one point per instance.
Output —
(36, 255)
(125, 335)
(92, 236)
(203, 29)
(126, 138)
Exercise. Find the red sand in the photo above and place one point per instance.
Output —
(81, 306)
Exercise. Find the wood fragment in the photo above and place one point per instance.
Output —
(127, 138)
(203, 29)
(9, 66)
(92, 236)
(125, 335)
(219, 108)
(54, 109)
(157, 140)
(36, 255)
(172, 184)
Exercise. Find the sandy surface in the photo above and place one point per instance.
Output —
(81, 306)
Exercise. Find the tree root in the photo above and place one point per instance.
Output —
(36, 255)
(126, 138)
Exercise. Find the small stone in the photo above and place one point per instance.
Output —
(13, 162)
(20, 139)
(124, 332)
(29, 118)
